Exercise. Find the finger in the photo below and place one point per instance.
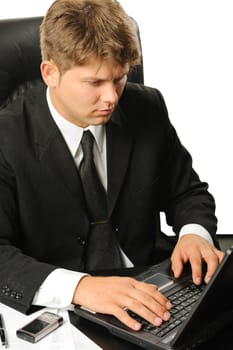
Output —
(155, 314)
(152, 290)
(212, 261)
(196, 267)
(177, 263)
(146, 301)
(123, 316)
(220, 255)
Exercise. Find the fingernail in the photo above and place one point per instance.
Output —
(176, 273)
(197, 280)
(158, 321)
(166, 316)
(137, 326)
(168, 305)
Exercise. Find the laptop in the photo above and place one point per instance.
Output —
(198, 312)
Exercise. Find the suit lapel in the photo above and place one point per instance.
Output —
(59, 160)
(119, 144)
(52, 151)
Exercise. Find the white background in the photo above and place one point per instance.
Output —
(188, 56)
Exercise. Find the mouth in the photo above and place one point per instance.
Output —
(105, 111)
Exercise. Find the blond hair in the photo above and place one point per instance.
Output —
(74, 30)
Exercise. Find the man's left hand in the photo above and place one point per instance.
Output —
(195, 249)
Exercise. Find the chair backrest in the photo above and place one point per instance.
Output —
(20, 55)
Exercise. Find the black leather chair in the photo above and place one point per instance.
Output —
(20, 56)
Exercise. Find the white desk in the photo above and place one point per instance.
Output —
(64, 338)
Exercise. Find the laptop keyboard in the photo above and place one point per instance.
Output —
(182, 302)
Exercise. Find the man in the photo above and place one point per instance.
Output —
(48, 237)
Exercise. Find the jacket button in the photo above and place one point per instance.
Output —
(6, 290)
(81, 241)
(18, 296)
(13, 294)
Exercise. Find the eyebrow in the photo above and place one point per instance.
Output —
(93, 78)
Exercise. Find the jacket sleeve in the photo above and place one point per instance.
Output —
(184, 198)
(20, 275)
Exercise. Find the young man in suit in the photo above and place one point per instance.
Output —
(48, 237)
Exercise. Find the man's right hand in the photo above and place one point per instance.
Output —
(114, 295)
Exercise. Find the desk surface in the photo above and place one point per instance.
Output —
(107, 341)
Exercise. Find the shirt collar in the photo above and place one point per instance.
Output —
(73, 133)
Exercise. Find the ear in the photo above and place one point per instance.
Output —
(50, 73)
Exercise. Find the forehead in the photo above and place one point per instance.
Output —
(100, 69)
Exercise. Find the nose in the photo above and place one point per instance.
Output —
(110, 94)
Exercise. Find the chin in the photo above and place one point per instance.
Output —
(101, 120)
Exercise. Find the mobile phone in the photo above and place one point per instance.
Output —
(40, 327)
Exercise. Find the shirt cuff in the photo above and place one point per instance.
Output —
(58, 289)
(197, 230)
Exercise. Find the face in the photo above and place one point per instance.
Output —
(86, 95)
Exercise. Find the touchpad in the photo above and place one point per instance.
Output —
(160, 280)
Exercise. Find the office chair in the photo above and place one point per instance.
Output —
(20, 56)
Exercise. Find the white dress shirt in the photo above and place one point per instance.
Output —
(58, 288)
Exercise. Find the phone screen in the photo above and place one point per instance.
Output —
(35, 326)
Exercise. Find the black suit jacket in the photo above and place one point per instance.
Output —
(43, 223)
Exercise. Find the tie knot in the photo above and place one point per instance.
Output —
(87, 143)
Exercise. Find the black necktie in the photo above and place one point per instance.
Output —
(102, 247)
(93, 189)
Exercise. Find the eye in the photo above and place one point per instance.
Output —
(120, 80)
(95, 82)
